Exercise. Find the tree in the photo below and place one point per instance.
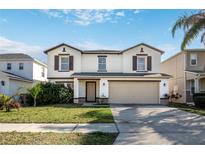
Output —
(34, 91)
(193, 25)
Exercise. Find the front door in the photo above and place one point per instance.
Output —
(90, 91)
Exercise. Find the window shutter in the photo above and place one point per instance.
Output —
(56, 62)
(70, 62)
(134, 63)
(149, 63)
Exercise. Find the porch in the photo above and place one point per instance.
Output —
(195, 83)
(92, 90)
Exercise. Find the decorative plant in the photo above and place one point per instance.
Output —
(34, 91)
(174, 96)
(49, 93)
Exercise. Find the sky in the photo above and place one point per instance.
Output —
(33, 31)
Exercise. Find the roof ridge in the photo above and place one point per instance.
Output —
(120, 51)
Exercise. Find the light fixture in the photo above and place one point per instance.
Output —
(103, 83)
(141, 50)
(164, 84)
(64, 50)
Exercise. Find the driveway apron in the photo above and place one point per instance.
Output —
(155, 124)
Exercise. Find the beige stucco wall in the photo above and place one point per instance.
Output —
(127, 59)
(200, 61)
(77, 62)
(175, 67)
(202, 84)
(82, 88)
(90, 62)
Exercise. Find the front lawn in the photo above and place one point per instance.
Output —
(16, 138)
(58, 114)
(188, 108)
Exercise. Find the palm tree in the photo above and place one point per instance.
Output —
(35, 91)
(193, 25)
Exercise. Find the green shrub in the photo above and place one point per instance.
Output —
(199, 100)
(4, 100)
(51, 93)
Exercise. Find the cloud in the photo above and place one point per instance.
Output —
(167, 47)
(3, 20)
(85, 17)
(92, 45)
(136, 11)
(121, 14)
(10, 46)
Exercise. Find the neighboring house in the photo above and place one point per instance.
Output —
(114, 76)
(19, 71)
(188, 71)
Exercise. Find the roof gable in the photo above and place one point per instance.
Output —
(143, 44)
(103, 51)
(62, 44)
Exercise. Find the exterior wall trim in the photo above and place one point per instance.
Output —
(60, 78)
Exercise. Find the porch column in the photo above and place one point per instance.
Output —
(103, 88)
(196, 85)
(76, 90)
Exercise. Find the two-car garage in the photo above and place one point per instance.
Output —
(134, 92)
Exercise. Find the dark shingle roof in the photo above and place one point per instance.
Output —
(12, 75)
(103, 51)
(196, 71)
(57, 46)
(195, 50)
(15, 56)
(117, 74)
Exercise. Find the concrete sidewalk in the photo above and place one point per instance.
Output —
(60, 128)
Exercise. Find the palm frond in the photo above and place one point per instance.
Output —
(203, 38)
(187, 21)
(179, 24)
(192, 33)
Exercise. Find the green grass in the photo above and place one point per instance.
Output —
(16, 138)
(188, 108)
(58, 114)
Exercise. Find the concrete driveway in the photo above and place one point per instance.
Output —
(157, 125)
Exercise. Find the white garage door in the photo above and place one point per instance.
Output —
(133, 92)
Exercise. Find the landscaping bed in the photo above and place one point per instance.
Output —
(188, 108)
(59, 113)
(16, 138)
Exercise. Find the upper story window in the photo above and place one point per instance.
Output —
(64, 63)
(21, 66)
(8, 66)
(141, 63)
(102, 63)
(42, 71)
(193, 59)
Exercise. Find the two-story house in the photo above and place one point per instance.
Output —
(188, 71)
(116, 76)
(19, 71)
